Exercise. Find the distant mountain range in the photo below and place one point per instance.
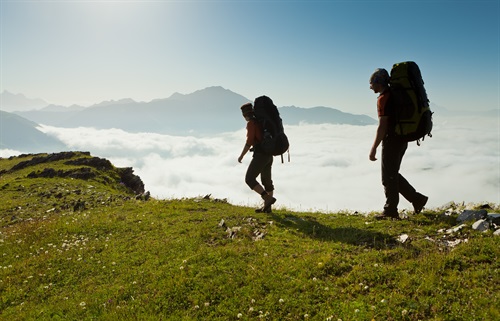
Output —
(18, 102)
(20, 134)
(207, 111)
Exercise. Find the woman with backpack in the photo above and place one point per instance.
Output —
(261, 163)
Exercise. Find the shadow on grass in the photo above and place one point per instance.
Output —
(309, 227)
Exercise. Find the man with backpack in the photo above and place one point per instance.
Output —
(393, 150)
(261, 163)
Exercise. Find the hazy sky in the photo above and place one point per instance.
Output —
(303, 53)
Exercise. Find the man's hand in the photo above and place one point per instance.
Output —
(240, 158)
(373, 152)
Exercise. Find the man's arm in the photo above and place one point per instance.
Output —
(383, 125)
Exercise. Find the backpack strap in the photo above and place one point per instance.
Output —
(288, 152)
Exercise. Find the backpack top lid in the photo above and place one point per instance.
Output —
(266, 110)
(264, 107)
(263, 102)
(406, 75)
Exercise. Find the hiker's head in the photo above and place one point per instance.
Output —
(247, 110)
(379, 79)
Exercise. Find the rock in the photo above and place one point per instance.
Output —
(497, 232)
(472, 215)
(449, 212)
(96, 162)
(494, 218)
(403, 238)
(143, 196)
(231, 232)
(130, 180)
(453, 229)
(453, 243)
(258, 235)
(481, 225)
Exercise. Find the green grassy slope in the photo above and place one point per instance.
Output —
(76, 244)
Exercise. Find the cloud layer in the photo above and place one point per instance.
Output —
(329, 168)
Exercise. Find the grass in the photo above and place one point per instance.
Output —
(118, 258)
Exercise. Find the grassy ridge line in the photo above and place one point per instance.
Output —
(118, 258)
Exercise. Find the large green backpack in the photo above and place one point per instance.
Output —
(413, 115)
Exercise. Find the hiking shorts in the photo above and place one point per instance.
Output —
(260, 165)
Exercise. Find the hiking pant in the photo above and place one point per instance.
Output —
(260, 165)
(393, 150)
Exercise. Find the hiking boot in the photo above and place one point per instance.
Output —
(388, 216)
(268, 201)
(262, 210)
(419, 204)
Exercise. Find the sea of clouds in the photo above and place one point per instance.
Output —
(329, 169)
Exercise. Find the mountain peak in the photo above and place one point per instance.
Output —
(114, 102)
(18, 102)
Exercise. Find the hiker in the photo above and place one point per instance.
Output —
(393, 150)
(261, 163)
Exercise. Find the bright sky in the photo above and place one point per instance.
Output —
(303, 53)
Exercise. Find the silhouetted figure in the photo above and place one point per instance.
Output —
(261, 163)
(393, 150)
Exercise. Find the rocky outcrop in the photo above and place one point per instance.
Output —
(131, 180)
(87, 168)
(38, 159)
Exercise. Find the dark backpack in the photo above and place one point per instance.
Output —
(413, 119)
(274, 140)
